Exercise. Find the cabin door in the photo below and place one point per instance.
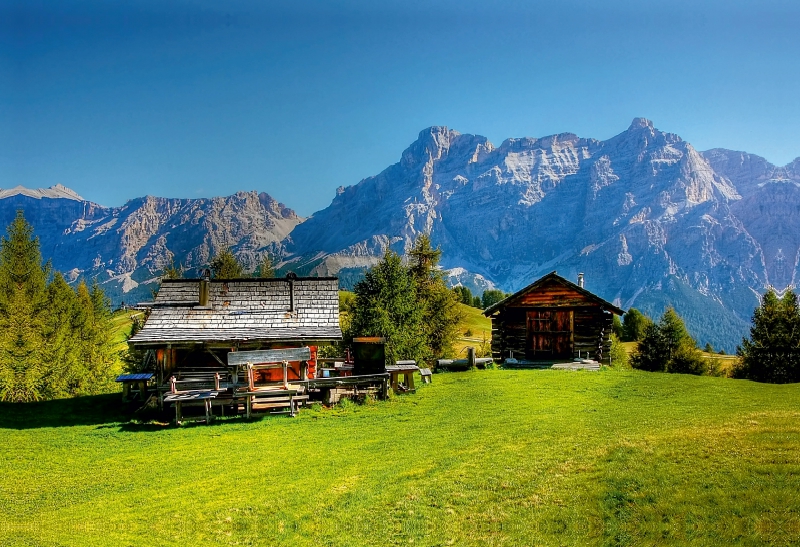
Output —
(549, 334)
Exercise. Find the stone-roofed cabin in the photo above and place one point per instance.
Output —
(552, 320)
(194, 323)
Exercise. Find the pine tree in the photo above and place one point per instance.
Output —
(226, 266)
(23, 308)
(386, 305)
(772, 354)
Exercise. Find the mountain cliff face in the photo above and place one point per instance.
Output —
(649, 220)
(126, 247)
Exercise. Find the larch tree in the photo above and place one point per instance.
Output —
(440, 311)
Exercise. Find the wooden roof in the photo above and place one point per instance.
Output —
(292, 309)
(518, 297)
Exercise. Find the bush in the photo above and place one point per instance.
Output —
(619, 357)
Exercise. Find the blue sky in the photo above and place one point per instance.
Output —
(193, 99)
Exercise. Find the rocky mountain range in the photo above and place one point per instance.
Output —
(649, 220)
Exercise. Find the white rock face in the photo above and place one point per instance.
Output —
(57, 191)
(650, 220)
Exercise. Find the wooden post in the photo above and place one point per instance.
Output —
(286, 375)
(250, 381)
(216, 381)
(470, 357)
(172, 384)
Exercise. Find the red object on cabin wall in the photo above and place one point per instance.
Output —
(312, 363)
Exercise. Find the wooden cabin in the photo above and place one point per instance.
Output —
(194, 323)
(552, 320)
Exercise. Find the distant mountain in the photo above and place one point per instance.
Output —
(649, 220)
(126, 247)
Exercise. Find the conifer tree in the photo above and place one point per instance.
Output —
(386, 305)
(265, 269)
(23, 306)
(440, 310)
(667, 346)
(772, 353)
(226, 266)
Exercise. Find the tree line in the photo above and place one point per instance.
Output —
(55, 340)
(770, 354)
(489, 297)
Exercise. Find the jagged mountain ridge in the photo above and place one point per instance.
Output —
(650, 220)
(126, 247)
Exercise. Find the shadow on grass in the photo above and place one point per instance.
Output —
(103, 411)
(90, 410)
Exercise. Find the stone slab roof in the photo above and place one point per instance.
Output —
(244, 310)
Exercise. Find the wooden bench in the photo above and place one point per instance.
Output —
(426, 375)
(271, 398)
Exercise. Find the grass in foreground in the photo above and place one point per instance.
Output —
(476, 458)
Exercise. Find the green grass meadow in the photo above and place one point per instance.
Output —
(477, 458)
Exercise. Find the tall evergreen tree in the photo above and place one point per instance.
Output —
(772, 353)
(23, 307)
(441, 314)
(386, 305)
(226, 266)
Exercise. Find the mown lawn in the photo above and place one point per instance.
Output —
(477, 458)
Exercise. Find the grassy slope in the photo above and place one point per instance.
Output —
(476, 458)
(474, 321)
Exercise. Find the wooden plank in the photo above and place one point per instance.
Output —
(238, 358)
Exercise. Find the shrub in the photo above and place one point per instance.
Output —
(619, 357)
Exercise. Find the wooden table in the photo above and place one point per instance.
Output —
(191, 396)
(407, 369)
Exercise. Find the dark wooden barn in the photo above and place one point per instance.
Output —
(552, 320)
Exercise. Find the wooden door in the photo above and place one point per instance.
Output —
(549, 334)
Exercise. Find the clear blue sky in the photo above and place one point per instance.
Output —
(187, 99)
